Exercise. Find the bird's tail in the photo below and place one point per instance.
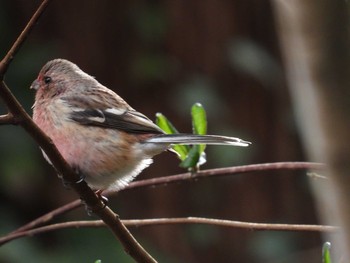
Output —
(182, 138)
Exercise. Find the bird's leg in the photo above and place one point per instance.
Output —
(91, 210)
(103, 199)
(81, 177)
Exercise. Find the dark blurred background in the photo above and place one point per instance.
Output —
(164, 56)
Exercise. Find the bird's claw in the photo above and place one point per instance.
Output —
(92, 210)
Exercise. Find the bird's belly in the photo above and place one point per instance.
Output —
(107, 158)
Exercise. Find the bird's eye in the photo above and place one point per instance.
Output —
(47, 79)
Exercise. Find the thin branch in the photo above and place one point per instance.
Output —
(174, 221)
(230, 223)
(225, 172)
(177, 178)
(131, 246)
(49, 216)
(4, 64)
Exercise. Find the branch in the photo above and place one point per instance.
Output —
(49, 216)
(178, 178)
(174, 221)
(4, 64)
(315, 43)
(225, 172)
(131, 246)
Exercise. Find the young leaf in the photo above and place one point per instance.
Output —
(165, 124)
(199, 122)
(192, 158)
(326, 254)
(196, 155)
(168, 127)
(199, 119)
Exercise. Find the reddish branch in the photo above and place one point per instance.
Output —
(49, 216)
(173, 221)
(5, 62)
(226, 172)
(179, 178)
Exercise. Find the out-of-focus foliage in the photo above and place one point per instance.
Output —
(168, 127)
(191, 156)
(326, 254)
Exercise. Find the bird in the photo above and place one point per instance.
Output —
(97, 132)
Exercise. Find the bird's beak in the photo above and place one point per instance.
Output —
(35, 85)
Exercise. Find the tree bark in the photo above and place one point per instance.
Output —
(315, 43)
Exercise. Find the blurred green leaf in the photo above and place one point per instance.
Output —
(192, 158)
(169, 128)
(148, 66)
(196, 156)
(98, 261)
(165, 124)
(199, 122)
(150, 22)
(199, 119)
(326, 254)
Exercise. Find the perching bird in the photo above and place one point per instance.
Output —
(96, 131)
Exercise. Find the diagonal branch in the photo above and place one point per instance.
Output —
(174, 221)
(131, 246)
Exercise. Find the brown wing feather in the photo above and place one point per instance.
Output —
(104, 110)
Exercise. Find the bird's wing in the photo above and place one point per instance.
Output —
(109, 112)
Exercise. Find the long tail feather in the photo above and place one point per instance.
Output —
(182, 138)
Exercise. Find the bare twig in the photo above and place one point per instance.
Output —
(49, 216)
(178, 178)
(229, 223)
(174, 221)
(225, 172)
(5, 62)
(131, 246)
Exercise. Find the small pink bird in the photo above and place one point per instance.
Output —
(96, 131)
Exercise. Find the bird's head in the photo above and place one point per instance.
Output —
(57, 77)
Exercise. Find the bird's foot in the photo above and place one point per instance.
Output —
(92, 210)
